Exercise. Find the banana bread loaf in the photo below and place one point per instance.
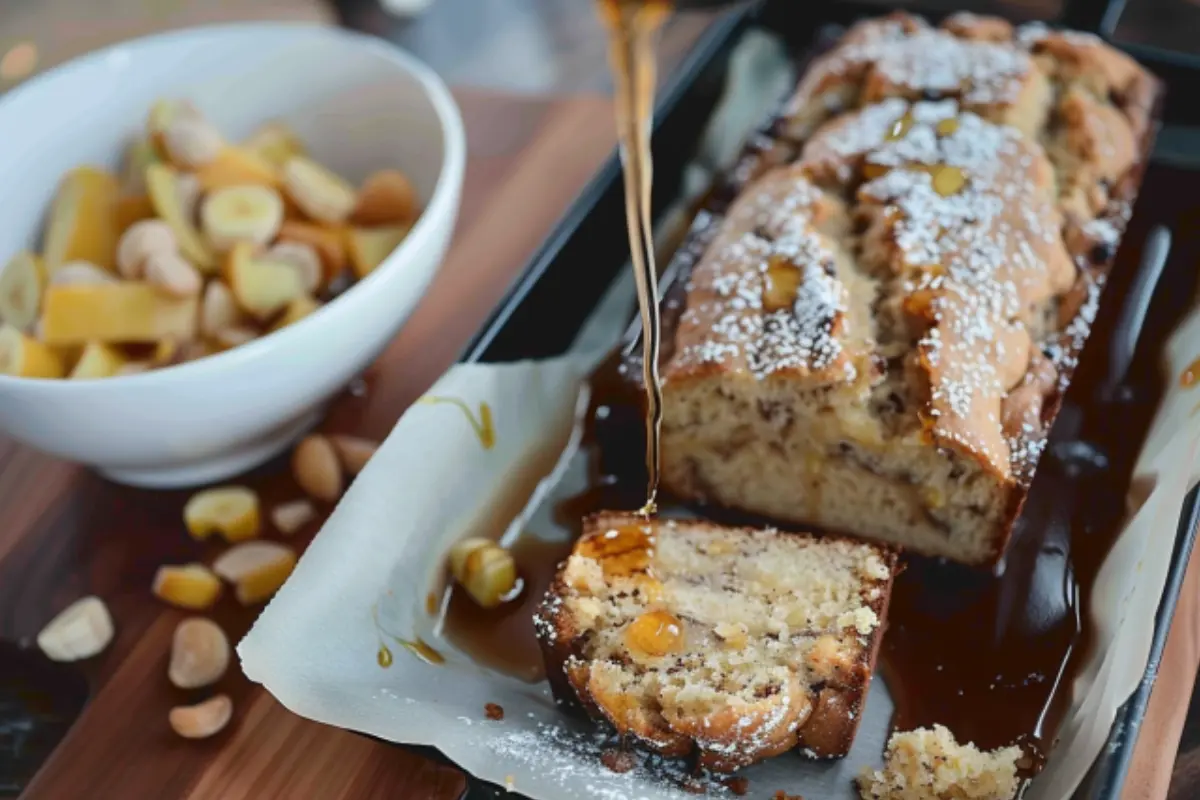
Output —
(729, 644)
(879, 334)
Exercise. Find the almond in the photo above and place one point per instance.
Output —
(199, 653)
(203, 719)
(316, 468)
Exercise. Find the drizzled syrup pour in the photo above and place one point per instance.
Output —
(632, 29)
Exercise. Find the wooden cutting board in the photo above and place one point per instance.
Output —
(67, 533)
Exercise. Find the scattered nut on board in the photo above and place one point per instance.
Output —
(211, 244)
(256, 569)
(230, 511)
(203, 719)
(199, 653)
(192, 586)
(293, 515)
(316, 467)
(353, 451)
(81, 630)
(485, 569)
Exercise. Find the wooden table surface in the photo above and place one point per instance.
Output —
(537, 129)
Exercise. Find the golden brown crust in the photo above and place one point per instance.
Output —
(818, 710)
(1045, 139)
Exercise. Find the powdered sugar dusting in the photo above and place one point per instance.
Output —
(769, 228)
(572, 759)
(930, 60)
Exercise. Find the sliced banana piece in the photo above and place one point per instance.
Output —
(230, 511)
(304, 258)
(83, 220)
(320, 193)
(275, 143)
(164, 187)
(82, 630)
(241, 214)
(21, 284)
(370, 246)
(97, 360)
(25, 357)
(262, 287)
(143, 240)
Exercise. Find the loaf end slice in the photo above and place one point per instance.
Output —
(727, 644)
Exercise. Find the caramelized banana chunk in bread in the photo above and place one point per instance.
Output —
(727, 644)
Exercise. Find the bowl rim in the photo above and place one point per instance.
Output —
(442, 201)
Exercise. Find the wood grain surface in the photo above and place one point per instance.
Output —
(67, 532)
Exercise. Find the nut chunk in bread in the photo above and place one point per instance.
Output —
(727, 644)
(931, 765)
(878, 335)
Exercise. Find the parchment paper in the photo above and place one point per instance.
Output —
(363, 581)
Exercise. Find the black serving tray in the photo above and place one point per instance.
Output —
(547, 305)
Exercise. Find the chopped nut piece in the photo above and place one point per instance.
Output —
(292, 516)
(81, 630)
(191, 586)
(316, 468)
(386, 198)
(173, 275)
(142, 240)
(256, 569)
(494, 712)
(203, 719)
(354, 451)
(231, 511)
(199, 653)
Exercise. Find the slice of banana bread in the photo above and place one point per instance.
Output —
(729, 644)
(880, 333)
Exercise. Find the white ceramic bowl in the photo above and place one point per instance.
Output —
(359, 105)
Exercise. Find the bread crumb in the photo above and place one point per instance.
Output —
(618, 760)
(494, 711)
(739, 786)
(926, 764)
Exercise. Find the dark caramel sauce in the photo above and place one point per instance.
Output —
(502, 638)
(632, 28)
